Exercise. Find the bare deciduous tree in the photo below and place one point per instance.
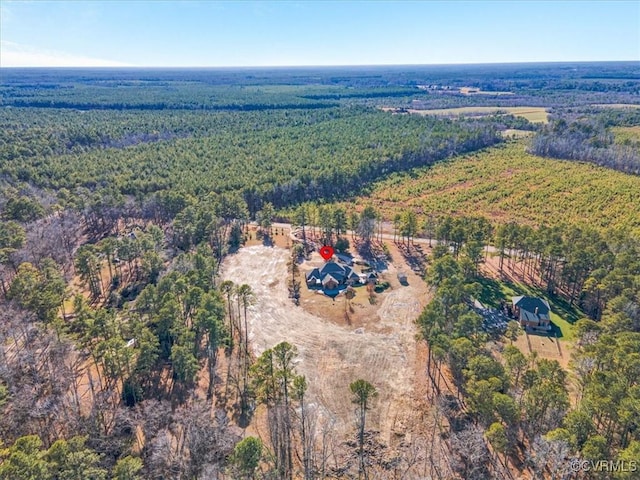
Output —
(471, 450)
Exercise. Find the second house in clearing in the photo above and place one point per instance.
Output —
(533, 313)
(332, 275)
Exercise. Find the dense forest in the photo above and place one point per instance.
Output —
(587, 135)
(521, 406)
(282, 157)
(124, 355)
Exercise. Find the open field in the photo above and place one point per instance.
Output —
(477, 91)
(627, 135)
(514, 133)
(382, 349)
(507, 184)
(546, 347)
(533, 114)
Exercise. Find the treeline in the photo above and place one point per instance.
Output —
(176, 95)
(210, 91)
(520, 406)
(245, 107)
(28, 132)
(609, 75)
(365, 93)
(585, 136)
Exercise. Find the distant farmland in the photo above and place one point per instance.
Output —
(533, 114)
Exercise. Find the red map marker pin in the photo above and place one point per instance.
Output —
(326, 252)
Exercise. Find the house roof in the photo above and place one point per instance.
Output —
(348, 259)
(532, 308)
(333, 267)
(328, 278)
(339, 273)
(314, 274)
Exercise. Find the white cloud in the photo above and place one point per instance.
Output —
(16, 55)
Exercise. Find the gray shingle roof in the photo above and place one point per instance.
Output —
(340, 273)
(532, 309)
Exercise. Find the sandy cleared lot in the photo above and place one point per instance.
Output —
(533, 114)
(330, 355)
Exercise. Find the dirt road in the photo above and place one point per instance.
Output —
(332, 356)
(387, 234)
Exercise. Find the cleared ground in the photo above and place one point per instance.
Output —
(627, 135)
(383, 351)
(517, 134)
(477, 91)
(546, 347)
(533, 114)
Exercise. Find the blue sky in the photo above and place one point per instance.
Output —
(330, 32)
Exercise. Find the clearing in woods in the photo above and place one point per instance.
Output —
(533, 114)
(332, 355)
(627, 135)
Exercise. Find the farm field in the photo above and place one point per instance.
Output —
(507, 184)
(533, 114)
(476, 91)
(627, 135)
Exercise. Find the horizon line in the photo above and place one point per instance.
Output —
(140, 67)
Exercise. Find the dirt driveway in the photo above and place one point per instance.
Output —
(331, 356)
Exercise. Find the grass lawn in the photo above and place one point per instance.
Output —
(563, 315)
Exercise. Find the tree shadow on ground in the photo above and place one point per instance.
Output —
(491, 292)
(374, 254)
(555, 332)
(243, 419)
(559, 305)
(267, 241)
(414, 257)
